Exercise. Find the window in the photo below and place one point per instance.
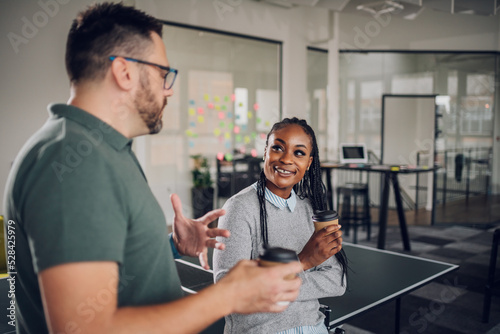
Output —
(227, 96)
(317, 80)
(465, 84)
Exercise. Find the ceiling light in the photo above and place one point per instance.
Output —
(381, 7)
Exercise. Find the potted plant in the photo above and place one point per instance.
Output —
(202, 193)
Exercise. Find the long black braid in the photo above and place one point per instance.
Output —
(311, 186)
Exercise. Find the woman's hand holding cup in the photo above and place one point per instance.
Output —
(325, 242)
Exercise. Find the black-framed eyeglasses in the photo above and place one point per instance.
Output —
(169, 78)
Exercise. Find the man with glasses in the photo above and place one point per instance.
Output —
(92, 250)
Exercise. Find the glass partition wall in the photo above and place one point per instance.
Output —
(226, 97)
(465, 83)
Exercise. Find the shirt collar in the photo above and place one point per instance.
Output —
(279, 202)
(98, 130)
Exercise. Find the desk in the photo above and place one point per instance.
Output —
(390, 175)
(376, 277)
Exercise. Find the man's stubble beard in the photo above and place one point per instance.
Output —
(146, 105)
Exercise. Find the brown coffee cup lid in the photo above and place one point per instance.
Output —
(279, 254)
(325, 215)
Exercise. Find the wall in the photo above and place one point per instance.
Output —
(431, 30)
(31, 71)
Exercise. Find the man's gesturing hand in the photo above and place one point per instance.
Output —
(192, 236)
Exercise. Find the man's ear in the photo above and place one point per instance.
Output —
(123, 73)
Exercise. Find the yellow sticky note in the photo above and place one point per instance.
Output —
(192, 112)
(201, 119)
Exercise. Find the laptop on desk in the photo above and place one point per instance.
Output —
(353, 154)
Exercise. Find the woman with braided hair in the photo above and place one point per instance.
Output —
(277, 211)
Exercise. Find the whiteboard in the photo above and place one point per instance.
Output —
(409, 129)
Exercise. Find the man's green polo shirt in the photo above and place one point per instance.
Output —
(76, 192)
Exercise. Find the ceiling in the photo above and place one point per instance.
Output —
(409, 9)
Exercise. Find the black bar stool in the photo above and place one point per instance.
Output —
(490, 283)
(355, 208)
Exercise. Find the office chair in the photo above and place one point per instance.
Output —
(355, 208)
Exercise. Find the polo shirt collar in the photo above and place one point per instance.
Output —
(97, 128)
(280, 202)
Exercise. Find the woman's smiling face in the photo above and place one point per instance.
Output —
(287, 158)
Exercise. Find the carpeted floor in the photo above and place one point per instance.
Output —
(452, 304)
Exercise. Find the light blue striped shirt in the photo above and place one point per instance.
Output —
(280, 202)
(318, 329)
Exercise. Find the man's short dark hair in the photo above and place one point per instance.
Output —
(103, 30)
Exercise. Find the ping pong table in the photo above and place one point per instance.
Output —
(376, 277)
